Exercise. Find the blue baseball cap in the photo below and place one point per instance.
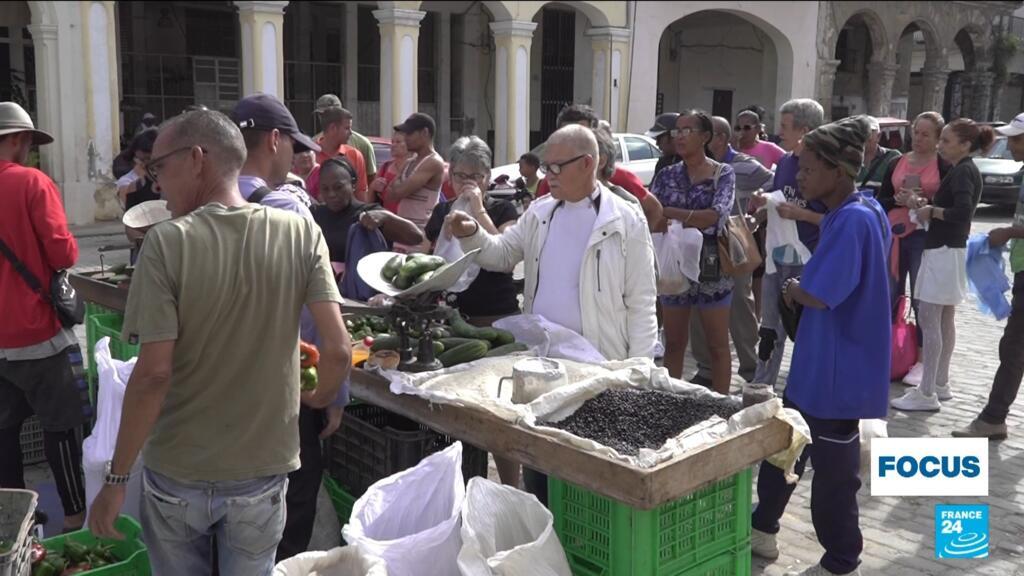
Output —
(266, 112)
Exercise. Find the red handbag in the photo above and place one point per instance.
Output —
(904, 342)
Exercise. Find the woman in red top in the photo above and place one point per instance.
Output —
(390, 170)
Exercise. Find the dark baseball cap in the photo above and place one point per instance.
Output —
(662, 124)
(266, 112)
(416, 122)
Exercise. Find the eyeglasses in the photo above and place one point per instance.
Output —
(463, 177)
(682, 132)
(153, 166)
(743, 127)
(556, 167)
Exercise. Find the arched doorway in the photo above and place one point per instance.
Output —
(717, 61)
(562, 63)
(917, 50)
(17, 56)
(962, 90)
(859, 47)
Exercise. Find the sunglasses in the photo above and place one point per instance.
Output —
(556, 167)
(682, 132)
(153, 166)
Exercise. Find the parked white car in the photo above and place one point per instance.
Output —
(637, 153)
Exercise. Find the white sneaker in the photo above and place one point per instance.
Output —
(915, 400)
(944, 393)
(763, 544)
(916, 374)
(818, 570)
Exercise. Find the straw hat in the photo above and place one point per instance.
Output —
(13, 118)
(146, 214)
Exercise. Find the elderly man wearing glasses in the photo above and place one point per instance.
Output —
(589, 261)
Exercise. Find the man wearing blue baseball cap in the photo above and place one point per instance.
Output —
(991, 423)
(271, 139)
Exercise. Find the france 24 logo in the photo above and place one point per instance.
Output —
(961, 531)
(929, 467)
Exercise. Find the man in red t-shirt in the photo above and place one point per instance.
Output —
(337, 124)
(586, 117)
(40, 361)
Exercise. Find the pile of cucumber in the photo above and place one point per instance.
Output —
(405, 271)
(458, 342)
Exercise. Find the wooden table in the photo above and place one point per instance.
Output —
(102, 293)
(641, 488)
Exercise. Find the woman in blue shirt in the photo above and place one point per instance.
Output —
(840, 367)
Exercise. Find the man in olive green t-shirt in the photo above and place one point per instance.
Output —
(215, 394)
(991, 423)
(355, 140)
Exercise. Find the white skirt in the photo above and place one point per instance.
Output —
(942, 278)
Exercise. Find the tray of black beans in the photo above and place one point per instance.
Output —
(628, 419)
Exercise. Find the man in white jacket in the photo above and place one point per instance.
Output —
(589, 261)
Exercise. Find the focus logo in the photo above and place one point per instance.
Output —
(929, 467)
(961, 531)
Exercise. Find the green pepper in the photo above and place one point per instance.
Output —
(47, 568)
(76, 553)
(309, 378)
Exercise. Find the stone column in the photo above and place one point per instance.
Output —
(399, 55)
(351, 56)
(262, 24)
(102, 99)
(880, 78)
(444, 87)
(48, 109)
(981, 100)
(933, 89)
(611, 62)
(826, 84)
(512, 40)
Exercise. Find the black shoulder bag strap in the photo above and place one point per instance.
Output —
(259, 194)
(23, 271)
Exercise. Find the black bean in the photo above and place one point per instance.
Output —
(628, 419)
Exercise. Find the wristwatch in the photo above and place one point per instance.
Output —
(115, 479)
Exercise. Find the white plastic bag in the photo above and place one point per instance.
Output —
(678, 253)
(507, 532)
(98, 448)
(450, 249)
(550, 340)
(343, 561)
(411, 519)
(782, 233)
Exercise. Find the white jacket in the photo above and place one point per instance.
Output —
(617, 285)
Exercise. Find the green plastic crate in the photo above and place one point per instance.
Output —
(603, 537)
(342, 500)
(732, 563)
(96, 327)
(134, 559)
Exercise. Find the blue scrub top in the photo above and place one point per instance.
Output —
(842, 355)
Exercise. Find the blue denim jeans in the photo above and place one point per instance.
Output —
(180, 520)
(771, 287)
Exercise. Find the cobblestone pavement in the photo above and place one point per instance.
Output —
(899, 533)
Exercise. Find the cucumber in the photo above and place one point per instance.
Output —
(390, 269)
(423, 277)
(440, 332)
(504, 338)
(418, 265)
(402, 281)
(508, 349)
(392, 342)
(455, 342)
(467, 352)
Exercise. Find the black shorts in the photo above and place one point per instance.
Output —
(52, 388)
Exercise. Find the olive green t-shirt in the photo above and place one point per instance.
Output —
(1017, 246)
(227, 285)
(361, 143)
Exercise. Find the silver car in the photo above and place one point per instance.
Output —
(1000, 174)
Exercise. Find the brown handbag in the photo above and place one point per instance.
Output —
(737, 249)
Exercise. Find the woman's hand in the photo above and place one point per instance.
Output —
(789, 211)
(378, 185)
(473, 195)
(924, 214)
(757, 201)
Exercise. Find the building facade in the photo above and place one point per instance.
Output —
(89, 70)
